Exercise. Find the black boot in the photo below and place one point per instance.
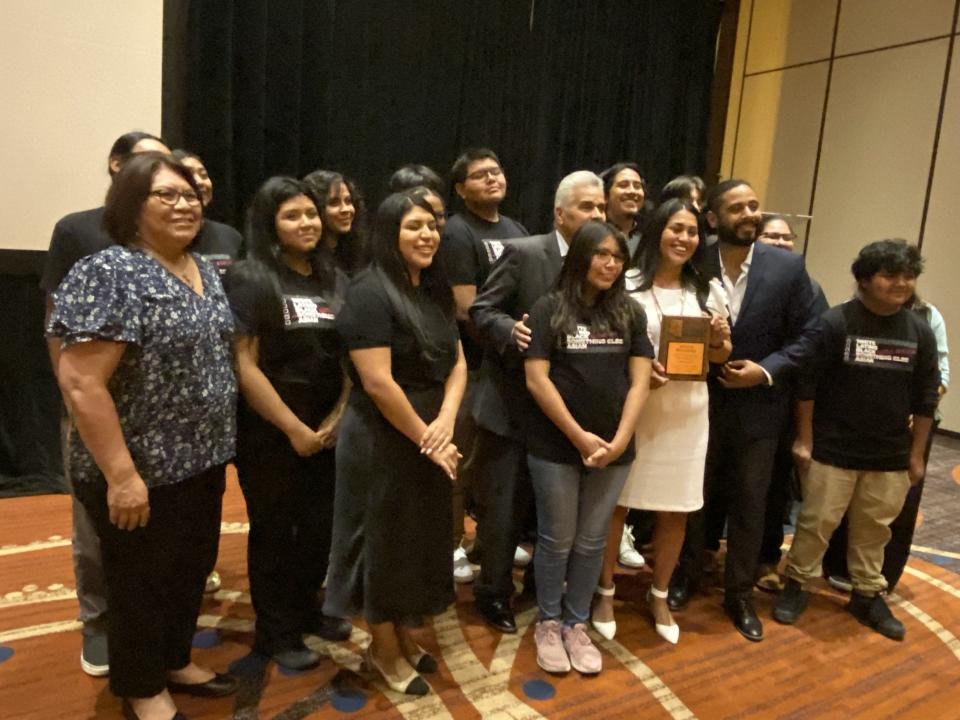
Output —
(791, 603)
(872, 611)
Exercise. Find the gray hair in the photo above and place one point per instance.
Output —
(571, 182)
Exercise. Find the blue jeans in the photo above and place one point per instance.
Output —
(574, 507)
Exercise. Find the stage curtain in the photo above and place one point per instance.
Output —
(289, 86)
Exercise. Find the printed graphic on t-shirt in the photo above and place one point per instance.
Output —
(585, 341)
(220, 261)
(307, 311)
(494, 249)
(879, 353)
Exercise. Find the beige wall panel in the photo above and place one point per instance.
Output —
(779, 127)
(941, 248)
(75, 76)
(875, 161)
(736, 87)
(786, 32)
(871, 24)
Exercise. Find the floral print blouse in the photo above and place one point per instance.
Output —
(174, 388)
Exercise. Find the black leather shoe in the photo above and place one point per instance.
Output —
(790, 603)
(297, 659)
(745, 618)
(333, 629)
(498, 614)
(129, 714)
(678, 593)
(220, 685)
(873, 612)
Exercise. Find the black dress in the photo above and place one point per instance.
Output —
(393, 525)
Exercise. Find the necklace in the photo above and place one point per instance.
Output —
(656, 303)
(182, 273)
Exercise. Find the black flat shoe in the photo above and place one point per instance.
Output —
(745, 618)
(498, 614)
(130, 714)
(220, 685)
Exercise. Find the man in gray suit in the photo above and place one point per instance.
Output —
(526, 270)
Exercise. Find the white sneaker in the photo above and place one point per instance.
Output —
(521, 558)
(629, 557)
(462, 570)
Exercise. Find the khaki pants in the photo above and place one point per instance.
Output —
(871, 499)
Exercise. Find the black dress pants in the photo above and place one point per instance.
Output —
(290, 505)
(778, 499)
(155, 577)
(506, 496)
(737, 478)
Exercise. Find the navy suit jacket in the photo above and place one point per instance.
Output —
(773, 327)
(527, 270)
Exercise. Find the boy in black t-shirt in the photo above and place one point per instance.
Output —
(865, 408)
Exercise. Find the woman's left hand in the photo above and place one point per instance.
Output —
(438, 434)
(719, 329)
(329, 429)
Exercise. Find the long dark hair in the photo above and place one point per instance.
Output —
(648, 254)
(351, 253)
(264, 261)
(612, 310)
(389, 265)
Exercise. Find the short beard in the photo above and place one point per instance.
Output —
(729, 236)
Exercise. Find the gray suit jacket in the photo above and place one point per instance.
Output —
(527, 270)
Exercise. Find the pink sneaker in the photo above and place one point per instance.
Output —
(550, 653)
(584, 655)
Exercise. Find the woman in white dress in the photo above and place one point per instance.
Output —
(671, 437)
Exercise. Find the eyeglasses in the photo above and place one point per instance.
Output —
(493, 172)
(779, 236)
(606, 256)
(169, 196)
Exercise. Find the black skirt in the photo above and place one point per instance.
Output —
(393, 524)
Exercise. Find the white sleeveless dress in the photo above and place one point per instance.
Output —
(671, 435)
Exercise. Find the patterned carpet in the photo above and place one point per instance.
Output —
(827, 666)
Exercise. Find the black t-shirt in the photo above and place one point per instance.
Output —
(867, 375)
(470, 247)
(218, 244)
(369, 319)
(591, 372)
(299, 347)
(74, 237)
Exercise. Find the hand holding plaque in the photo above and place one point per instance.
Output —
(684, 344)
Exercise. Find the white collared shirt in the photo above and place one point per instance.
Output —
(562, 244)
(736, 290)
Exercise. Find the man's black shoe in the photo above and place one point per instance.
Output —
(678, 592)
(331, 628)
(791, 603)
(873, 612)
(744, 617)
(498, 614)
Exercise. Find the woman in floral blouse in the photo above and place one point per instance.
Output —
(146, 371)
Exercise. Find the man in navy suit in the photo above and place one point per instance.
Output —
(771, 308)
(525, 271)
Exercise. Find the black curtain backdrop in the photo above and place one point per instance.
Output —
(267, 87)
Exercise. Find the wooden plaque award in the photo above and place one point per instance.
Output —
(684, 345)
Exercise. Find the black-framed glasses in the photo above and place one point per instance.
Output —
(169, 196)
(605, 256)
(493, 172)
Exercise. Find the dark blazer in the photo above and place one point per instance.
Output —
(776, 317)
(527, 270)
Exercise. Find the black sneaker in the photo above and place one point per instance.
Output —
(94, 658)
(790, 603)
(873, 612)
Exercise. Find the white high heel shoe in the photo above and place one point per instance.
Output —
(670, 633)
(606, 629)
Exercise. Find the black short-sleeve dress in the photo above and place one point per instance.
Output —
(392, 517)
